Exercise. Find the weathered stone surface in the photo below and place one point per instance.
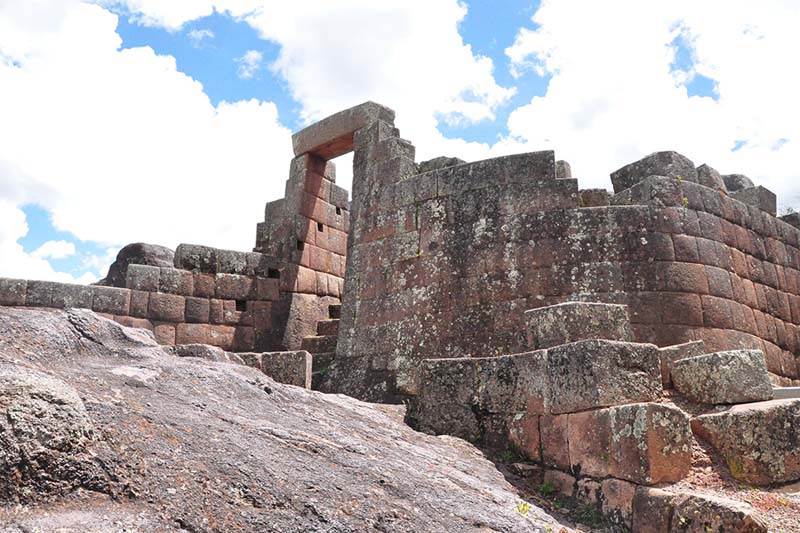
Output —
(439, 162)
(759, 441)
(39, 293)
(143, 278)
(167, 307)
(737, 376)
(291, 368)
(645, 443)
(138, 253)
(554, 439)
(563, 483)
(196, 257)
(111, 300)
(197, 310)
(617, 501)
(670, 354)
(563, 170)
(12, 291)
(221, 336)
(333, 136)
(445, 402)
(669, 164)
(759, 197)
(792, 219)
(176, 281)
(710, 178)
(235, 287)
(737, 182)
(201, 351)
(652, 510)
(577, 321)
(595, 198)
(200, 426)
(67, 295)
(701, 514)
(44, 432)
(598, 373)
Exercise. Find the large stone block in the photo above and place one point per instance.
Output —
(221, 336)
(710, 178)
(444, 405)
(759, 441)
(196, 257)
(39, 293)
(737, 376)
(737, 182)
(670, 354)
(166, 307)
(701, 513)
(598, 373)
(176, 281)
(652, 510)
(235, 287)
(12, 291)
(197, 310)
(577, 321)
(333, 136)
(143, 278)
(760, 197)
(111, 300)
(292, 368)
(66, 295)
(669, 164)
(646, 443)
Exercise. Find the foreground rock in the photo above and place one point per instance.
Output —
(759, 441)
(164, 443)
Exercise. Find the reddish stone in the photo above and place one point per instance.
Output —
(204, 285)
(555, 446)
(234, 287)
(244, 339)
(221, 336)
(681, 308)
(216, 312)
(717, 313)
(140, 301)
(523, 435)
(176, 281)
(267, 289)
(130, 322)
(617, 501)
(166, 307)
(652, 510)
(197, 310)
(164, 333)
(563, 483)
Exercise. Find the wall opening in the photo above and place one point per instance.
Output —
(241, 305)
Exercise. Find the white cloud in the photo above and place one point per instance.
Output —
(614, 98)
(249, 64)
(54, 250)
(197, 36)
(122, 147)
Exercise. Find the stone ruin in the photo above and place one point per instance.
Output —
(597, 336)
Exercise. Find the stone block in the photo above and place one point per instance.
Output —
(201, 351)
(66, 295)
(617, 501)
(111, 300)
(555, 445)
(645, 443)
(758, 440)
(701, 513)
(131, 322)
(176, 281)
(291, 368)
(737, 182)
(12, 291)
(595, 198)
(197, 310)
(319, 343)
(670, 354)
(563, 483)
(232, 262)
(333, 136)
(268, 289)
(204, 285)
(522, 433)
(710, 178)
(166, 307)
(143, 278)
(652, 510)
(221, 336)
(164, 333)
(39, 293)
(197, 258)
(669, 164)
(738, 376)
(759, 197)
(599, 373)
(447, 394)
(216, 312)
(140, 300)
(576, 321)
(235, 287)
(244, 339)
(563, 170)
(513, 383)
(793, 219)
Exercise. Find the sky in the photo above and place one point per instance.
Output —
(169, 121)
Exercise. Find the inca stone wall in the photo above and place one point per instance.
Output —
(445, 262)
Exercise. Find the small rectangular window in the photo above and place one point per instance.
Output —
(273, 273)
(300, 244)
(338, 210)
(241, 305)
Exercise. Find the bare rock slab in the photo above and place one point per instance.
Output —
(669, 164)
(600, 373)
(646, 443)
(737, 376)
(576, 321)
(759, 441)
(701, 513)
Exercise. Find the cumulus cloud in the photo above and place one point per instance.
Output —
(617, 92)
(197, 36)
(249, 64)
(54, 250)
(120, 146)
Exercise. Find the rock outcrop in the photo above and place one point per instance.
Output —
(138, 253)
(130, 437)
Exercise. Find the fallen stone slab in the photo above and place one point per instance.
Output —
(737, 376)
(291, 368)
(759, 441)
(669, 164)
(601, 373)
(646, 443)
(576, 321)
(670, 354)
